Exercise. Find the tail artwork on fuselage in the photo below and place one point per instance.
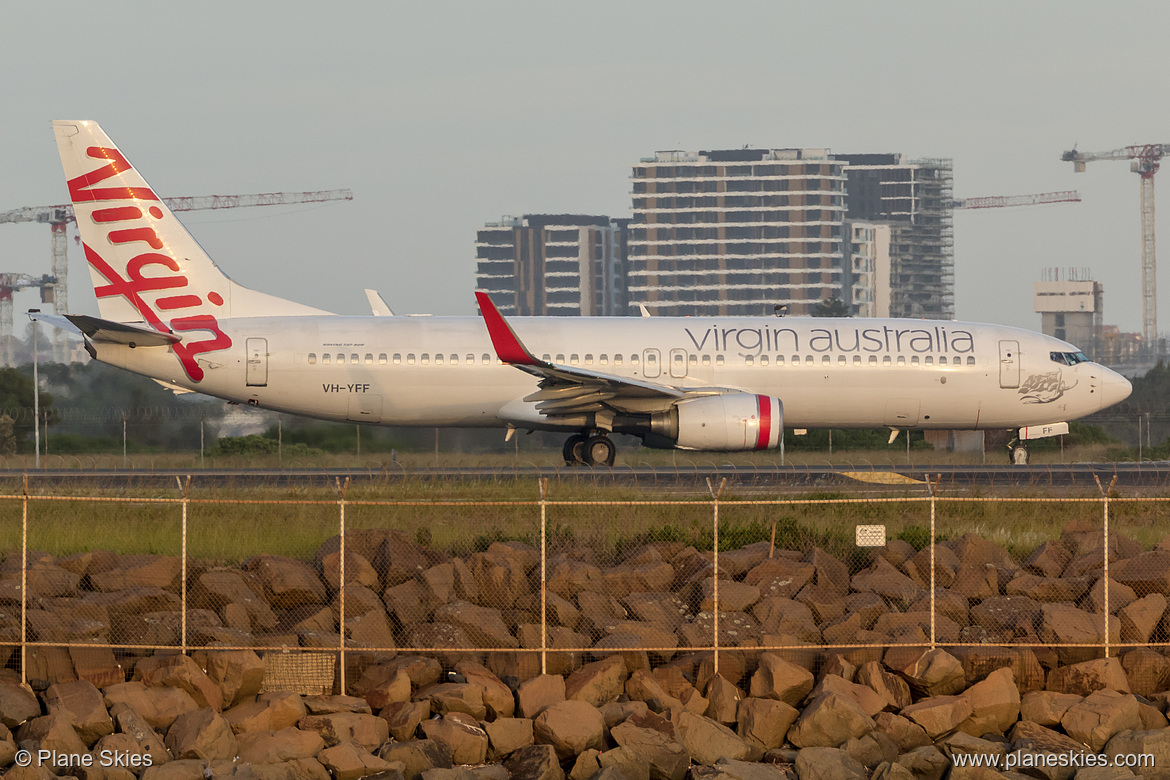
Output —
(146, 268)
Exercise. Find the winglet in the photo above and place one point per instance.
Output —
(504, 340)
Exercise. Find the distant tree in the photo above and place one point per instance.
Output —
(831, 307)
(16, 400)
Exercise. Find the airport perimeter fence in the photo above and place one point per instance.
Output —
(333, 589)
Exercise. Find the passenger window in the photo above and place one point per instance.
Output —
(547, 358)
(574, 359)
(796, 360)
(901, 360)
(808, 360)
(325, 359)
(485, 359)
(693, 360)
(718, 360)
(942, 361)
(439, 359)
(312, 358)
(560, 358)
(970, 361)
(825, 360)
(588, 359)
(470, 359)
(369, 359)
(873, 360)
(617, 360)
(397, 358)
(425, 358)
(382, 358)
(929, 360)
(841, 360)
(603, 360)
(353, 359)
(763, 360)
(857, 360)
(410, 358)
(749, 360)
(453, 360)
(633, 360)
(706, 360)
(885, 360)
(340, 359)
(914, 360)
(779, 360)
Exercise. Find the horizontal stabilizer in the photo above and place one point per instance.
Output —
(96, 329)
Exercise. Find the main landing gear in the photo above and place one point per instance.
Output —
(592, 449)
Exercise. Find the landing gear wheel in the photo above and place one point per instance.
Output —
(1020, 455)
(574, 450)
(599, 451)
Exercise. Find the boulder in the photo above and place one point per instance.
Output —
(54, 733)
(829, 721)
(1155, 743)
(1140, 618)
(1064, 624)
(367, 731)
(765, 722)
(238, 673)
(403, 718)
(723, 699)
(507, 735)
(159, 707)
(347, 761)
(1088, 676)
(655, 740)
(933, 673)
(1047, 707)
(598, 682)
(146, 739)
(82, 703)
(269, 712)
(828, 763)
(570, 727)
(498, 698)
(183, 673)
(203, 734)
(782, 680)
(17, 703)
(1099, 716)
(939, 715)
(272, 747)
(708, 741)
(995, 704)
(463, 734)
(893, 690)
(535, 694)
(535, 762)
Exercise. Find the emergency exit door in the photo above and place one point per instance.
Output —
(256, 372)
(1009, 364)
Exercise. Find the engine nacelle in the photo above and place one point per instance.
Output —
(732, 422)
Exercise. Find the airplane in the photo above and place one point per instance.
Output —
(694, 383)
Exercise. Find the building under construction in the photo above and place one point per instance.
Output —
(915, 197)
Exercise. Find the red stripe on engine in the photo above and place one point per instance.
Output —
(765, 434)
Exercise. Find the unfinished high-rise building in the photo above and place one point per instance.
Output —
(915, 198)
(553, 264)
(737, 232)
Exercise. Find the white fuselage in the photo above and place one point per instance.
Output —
(443, 371)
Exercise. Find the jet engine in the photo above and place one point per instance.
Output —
(729, 423)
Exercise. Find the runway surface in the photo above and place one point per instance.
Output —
(1146, 475)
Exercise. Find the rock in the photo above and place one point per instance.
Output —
(782, 680)
(934, 673)
(891, 585)
(367, 731)
(82, 704)
(1148, 572)
(536, 762)
(978, 662)
(328, 704)
(1034, 738)
(655, 740)
(269, 712)
(238, 673)
(1154, 743)
(665, 610)
(215, 589)
(570, 727)
(404, 718)
(455, 697)
(1064, 624)
(54, 733)
(893, 690)
(183, 673)
(1099, 716)
(537, 693)
(995, 704)
(416, 756)
(466, 738)
(395, 689)
(202, 734)
(1047, 707)
(147, 740)
(1147, 671)
(872, 750)
(625, 761)
(925, 762)
(598, 682)
(1089, 676)
(159, 707)
(410, 602)
(906, 733)
(1008, 617)
(498, 698)
(708, 741)
(507, 735)
(347, 761)
(939, 715)
(723, 699)
(1139, 619)
(17, 703)
(828, 763)
(765, 722)
(300, 769)
(829, 721)
(271, 747)
(865, 696)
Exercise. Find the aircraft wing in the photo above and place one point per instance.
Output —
(566, 390)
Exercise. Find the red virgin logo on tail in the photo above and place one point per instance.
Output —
(137, 281)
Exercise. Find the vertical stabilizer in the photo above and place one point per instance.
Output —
(146, 268)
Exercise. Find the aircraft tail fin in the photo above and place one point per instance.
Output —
(145, 266)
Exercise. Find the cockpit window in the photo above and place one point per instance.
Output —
(1068, 358)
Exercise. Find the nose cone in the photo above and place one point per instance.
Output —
(1114, 388)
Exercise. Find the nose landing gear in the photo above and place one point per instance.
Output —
(595, 449)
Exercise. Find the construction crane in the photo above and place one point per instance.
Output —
(1146, 159)
(1002, 201)
(55, 286)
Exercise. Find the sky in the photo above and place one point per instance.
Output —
(444, 116)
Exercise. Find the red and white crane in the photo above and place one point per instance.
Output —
(1146, 158)
(55, 286)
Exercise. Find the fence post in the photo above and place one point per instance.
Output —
(933, 490)
(183, 580)
(24, 587)
(341, 490)
(543, 482)
(715, 494)
(1105, 549)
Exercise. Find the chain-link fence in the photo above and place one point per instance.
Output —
(337, 591)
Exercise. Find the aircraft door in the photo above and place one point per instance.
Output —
(1009, 364)
(256, 372)
(651, 363)
(678, 363)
